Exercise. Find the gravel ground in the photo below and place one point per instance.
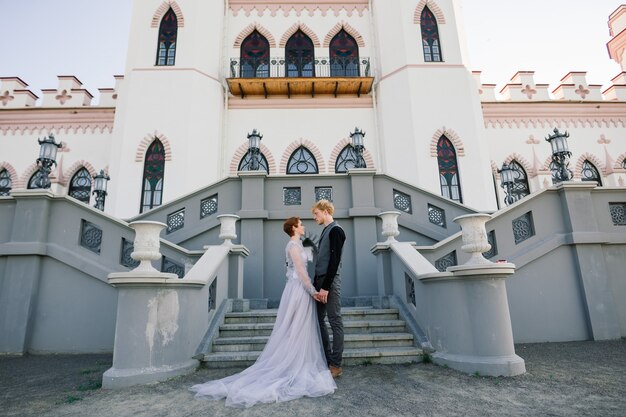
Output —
(562, 379)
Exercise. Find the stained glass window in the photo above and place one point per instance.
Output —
(430, 37)
(346, 160)
(244, 164)
(255, 55)
(80, 186)
(344, 56)
(299, 56)
(590, 173)
(153, 171)
(520, 188)
(302, 161)
(448, 170)
(167, 39)
(5, 182)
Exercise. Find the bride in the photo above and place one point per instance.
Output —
(292, 364)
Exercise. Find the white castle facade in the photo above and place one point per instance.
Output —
(201, 75)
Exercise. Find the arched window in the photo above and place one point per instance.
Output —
(167, 39)
(255, 56)
(344, 55)
(448, 170)
(299, 56)
(5, 182)
(590, 173)
(153, 172)
(430, 36)
(32, 181)
(520, 188)
(244, 164)
(302, 161)
(80, 186)
(346, 160)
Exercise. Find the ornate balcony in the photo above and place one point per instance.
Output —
(279, 77)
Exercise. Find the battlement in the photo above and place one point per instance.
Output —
(14, 94)
(572, 87)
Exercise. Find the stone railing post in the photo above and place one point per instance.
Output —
(483, 339)
(157, 316)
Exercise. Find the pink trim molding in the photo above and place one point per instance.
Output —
(450, 134)
(241, 151)
(530, 171)
(332, 161)
(591, 158)
(310, 146)
(249, 29)
(70, 172)
(147, 141)
(293, 29)
(163, 8)
(12, 173)
(439, 16)
(298, 6)
(345, 26)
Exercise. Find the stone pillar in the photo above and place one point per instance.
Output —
(253, 215)
(363, 213)
(579, 214)
(157, 316)
(19, 287)
(478, 337)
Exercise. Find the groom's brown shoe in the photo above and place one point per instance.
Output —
(335, 371)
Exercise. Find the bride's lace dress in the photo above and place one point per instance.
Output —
(292, 364)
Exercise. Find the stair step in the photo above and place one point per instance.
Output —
(351, 341)
(350, 326)
(348, 313)
(361, 356)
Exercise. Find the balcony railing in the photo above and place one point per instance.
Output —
(299, 67)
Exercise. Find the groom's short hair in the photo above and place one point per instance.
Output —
(324, 205)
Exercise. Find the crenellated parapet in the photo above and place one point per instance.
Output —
(572, 87)
(15, 94)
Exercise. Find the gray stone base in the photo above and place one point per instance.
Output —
(482, 365)
(121, 378)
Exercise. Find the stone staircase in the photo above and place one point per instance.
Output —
(371, 335)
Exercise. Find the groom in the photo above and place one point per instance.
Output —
(328, 282)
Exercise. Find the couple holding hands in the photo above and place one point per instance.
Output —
(298, 359)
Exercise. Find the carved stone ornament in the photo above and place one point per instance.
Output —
(228, 231)
(146, 244)
(390, 225)
(474, 237)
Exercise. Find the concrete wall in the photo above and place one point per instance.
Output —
(54, 295)
(569, 282)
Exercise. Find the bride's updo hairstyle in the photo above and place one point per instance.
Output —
(289, 224)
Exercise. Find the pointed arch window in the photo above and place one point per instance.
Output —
(344, 55)
(153, 174)
(520, 188)
(244, 164)
(5, 182)
(168, 31)
(32, 181)
(255, 56)
(80, 186)
(590, 173)
(302, 161)
(346, 160)
(430, 36)
(299, 56)
(448, 170)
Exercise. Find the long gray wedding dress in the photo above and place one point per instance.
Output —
(292, 364)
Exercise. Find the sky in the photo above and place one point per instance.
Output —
(88, 38)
